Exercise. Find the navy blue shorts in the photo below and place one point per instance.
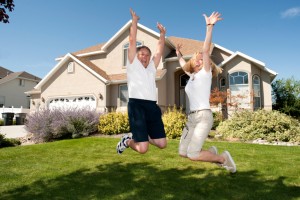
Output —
(145, 120)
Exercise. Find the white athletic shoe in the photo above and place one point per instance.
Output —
(229, 164)
(122, 145)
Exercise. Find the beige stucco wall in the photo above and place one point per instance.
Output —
(14, 93)
(240, 64)
(80, 82)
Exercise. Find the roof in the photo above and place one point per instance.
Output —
(20, 75)
(93, 67)
(4, 72)
(189, 47)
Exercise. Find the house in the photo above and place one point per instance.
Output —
(13, 86)
(96, 76)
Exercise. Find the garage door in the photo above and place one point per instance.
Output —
(72, 102)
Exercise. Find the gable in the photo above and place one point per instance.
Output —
(87, 65)
(63, 82)
(251, 61)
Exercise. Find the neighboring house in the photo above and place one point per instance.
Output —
(13, 86)
(96, 76)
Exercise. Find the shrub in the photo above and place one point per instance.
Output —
(114, 123)
(47, 125)
(266, 125)
(174, 121)
(218, 118)
(8, 142)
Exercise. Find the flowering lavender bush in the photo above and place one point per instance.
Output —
(47, 125)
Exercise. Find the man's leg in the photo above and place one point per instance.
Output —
(140, 147)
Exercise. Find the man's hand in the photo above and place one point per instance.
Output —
(161, 28)
(134, 16)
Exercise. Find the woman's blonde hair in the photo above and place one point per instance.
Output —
(190, 65)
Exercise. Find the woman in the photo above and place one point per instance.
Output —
(201, 69)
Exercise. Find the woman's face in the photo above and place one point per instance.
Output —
(198, 60)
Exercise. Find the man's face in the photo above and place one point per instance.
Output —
(144, 57)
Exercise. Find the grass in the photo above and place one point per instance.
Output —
(89, 168)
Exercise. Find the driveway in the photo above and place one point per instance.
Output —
(14, 131)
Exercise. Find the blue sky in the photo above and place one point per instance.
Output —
(42, 30)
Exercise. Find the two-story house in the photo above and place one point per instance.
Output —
(13, 86)
(96, 76)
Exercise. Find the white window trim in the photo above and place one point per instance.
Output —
(120, 101)
(125, 48)
(71, 67)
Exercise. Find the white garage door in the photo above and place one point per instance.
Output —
(73, 102)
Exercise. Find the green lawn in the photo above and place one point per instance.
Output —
(89, 168)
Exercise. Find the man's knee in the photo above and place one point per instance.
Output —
(142, 148)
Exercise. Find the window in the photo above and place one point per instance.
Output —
(125, 51)
(22, 82)
(71, 67)
(256, 92)
(238, 78)
(123, 95)
(222, 86)
(239, 88)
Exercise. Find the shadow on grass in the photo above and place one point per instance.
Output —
(145, 181)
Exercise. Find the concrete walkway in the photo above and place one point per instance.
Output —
(13, 131)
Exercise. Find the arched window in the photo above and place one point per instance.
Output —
(222, 84)
(256, 92)
(239, 78)
(239, 88)
(125, 51)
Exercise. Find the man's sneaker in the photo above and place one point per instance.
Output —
(213, 150)
(122, 145)
(229, 163)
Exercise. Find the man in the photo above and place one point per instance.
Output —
(144, 114)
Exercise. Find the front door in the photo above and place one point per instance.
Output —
(183, 99)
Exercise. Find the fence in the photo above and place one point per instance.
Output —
(13, 110)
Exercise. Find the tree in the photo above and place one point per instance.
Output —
(6, 4)
(286, 95)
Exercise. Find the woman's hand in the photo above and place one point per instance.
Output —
(178, 47)
(213, 18)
